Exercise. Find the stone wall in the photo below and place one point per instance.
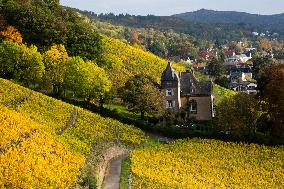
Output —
(97, 163)
(108, 155)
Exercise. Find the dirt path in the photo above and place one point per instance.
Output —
(113, 177)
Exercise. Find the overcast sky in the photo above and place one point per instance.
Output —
(169, 7)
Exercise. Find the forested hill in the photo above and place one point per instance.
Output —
(268, 22)
(232, 17)
(46, 24)
(206, 24)
(199, 30)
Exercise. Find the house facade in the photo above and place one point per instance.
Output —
(241, 80)
(244, 86)
(186, 95)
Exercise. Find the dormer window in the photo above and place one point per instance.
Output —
(169, 92)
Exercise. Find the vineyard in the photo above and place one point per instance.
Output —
(38, 149)
(124, 61)
(199, 163)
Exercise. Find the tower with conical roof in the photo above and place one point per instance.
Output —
(186, 95)
(170, 85)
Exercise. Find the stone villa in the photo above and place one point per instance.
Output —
(185, 94)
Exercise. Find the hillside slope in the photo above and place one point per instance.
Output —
(273, 23)
(40, 149)
(46, 23)
(198, 30)
(126, 61)
(206, 163)
(231, 17)
(202, 24)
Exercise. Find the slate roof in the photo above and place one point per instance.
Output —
(243, 83)
(190, 86)
(170, 74)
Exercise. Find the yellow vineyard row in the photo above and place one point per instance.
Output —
(42, 158)
(201, 163)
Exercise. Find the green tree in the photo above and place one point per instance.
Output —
(141, 95)
(272, 90)
(157, 47)
(56, 61)
(259, 64)
(32, 67)
(20, 62)
(216, 68)
(45, 22)
(85, 42)
(36, 21)
(239, 115)
(87, 80)
(223, 81)
(10, 59)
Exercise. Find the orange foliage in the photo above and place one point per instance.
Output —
(12, 34)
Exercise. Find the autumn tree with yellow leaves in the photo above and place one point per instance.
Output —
(56, 61)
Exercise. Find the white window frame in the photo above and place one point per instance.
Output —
(193, 110)
(170, 104)
(169, 92)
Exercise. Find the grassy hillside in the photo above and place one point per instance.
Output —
(51, 154)
(221, 93)
(124, 61)
(200, 163)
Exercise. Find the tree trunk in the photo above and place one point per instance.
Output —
(57, 90)
(142, 115)
(101, 104)
(88, 102)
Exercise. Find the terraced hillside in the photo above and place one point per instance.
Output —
(200, 163)
(45, 142)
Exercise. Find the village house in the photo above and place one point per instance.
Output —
(207, 53)
(199, 67)
(185, 94)
(241, 80)
(244, 86)
(242, 58)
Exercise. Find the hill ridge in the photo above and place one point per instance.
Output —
(232, 17)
